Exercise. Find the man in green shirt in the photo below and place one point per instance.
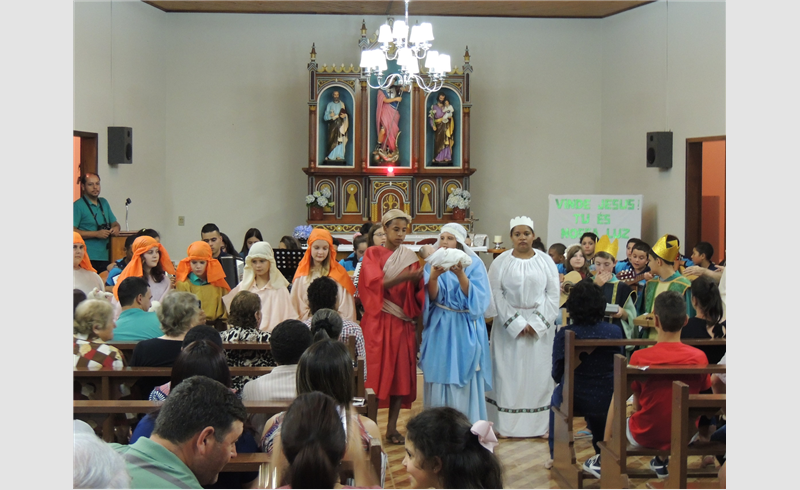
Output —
(136, 323)
(194, 437)
(93, 219)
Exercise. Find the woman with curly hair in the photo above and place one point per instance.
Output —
(243, 327)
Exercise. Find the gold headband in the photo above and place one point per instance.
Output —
(666, 250)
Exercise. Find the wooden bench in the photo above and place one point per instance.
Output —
(245, 461)
(112, 378)
(566, 470)
(614, 470)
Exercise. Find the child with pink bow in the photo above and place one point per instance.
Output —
(443, 450)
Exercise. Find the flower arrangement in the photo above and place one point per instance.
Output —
(458, 198)
(320, 199)
(302, 232)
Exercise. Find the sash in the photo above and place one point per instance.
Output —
(395, 264)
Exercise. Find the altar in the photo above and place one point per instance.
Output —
(392, 147)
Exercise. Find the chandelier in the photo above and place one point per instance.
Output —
(408, 51)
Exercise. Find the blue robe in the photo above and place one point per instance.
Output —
(454, 356)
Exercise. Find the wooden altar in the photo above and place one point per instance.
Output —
(352, 155)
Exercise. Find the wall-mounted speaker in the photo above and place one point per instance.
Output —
(120, 145)
(659, 149)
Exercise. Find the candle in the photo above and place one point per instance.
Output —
(498, 239)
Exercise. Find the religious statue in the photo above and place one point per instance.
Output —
(387, 119)
(443, 125)
(336, 115)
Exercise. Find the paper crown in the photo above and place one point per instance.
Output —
(521, 220)
(604, 244)
(666, 250)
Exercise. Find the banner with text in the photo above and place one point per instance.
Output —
(571, 216)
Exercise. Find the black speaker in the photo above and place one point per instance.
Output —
(120, 145)
(659, 149)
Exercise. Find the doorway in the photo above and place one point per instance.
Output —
(84, 159)
(705, 195)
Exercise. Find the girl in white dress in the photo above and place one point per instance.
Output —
(525, 293)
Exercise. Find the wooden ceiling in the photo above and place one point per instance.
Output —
(592, 9)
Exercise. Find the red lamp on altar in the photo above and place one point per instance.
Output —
(390, 170)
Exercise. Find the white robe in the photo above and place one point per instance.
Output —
(346, 304)
(519, 405)
(86, 281)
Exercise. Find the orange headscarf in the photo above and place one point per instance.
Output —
(202, 251)
(337, 272)
(134, 267)
(86, 262)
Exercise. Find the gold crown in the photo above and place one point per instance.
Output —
(604, 244)
(666, 250)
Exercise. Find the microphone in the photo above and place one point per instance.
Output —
(127, 201)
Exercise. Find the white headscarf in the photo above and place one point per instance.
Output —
(262, 250)
(460, 233)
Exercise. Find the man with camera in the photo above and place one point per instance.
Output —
(93, 219)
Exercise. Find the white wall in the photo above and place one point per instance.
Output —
(218, 106)
(651, 84)
(119, 81)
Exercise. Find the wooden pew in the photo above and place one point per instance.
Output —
(244, 461)
(111, 378)
(127, 347)
(615, 472)
(566, 470)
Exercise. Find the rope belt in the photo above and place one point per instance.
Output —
(449, 309)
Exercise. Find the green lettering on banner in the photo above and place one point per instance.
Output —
(603, 219)
(621, 233)
(630, 203)
(559, 203)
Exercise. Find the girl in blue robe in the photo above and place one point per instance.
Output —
(454, 356)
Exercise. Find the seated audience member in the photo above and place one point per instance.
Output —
(149, 232)
(322, 294)
(289, 339)
(577, 262)
(707, 323)
(319, 261)
(195, 334)
(662, 259)
(193, 439)
(251, 236)
(262, 277)
(626, 263)
(556, 252)
(652, 400)
(314, 442)
(444, 450)
(92, 328)
(289, 243)
(701, 256)
(177, 314)
(116, 268)
(136, 322)
(77, 297)
(204, 358)
(94, 463)
(151, 261)
(243, 327)
(84, 277)
(326, 367)
(594, 377)
(616, 292)
(202, 275)
(352, 260)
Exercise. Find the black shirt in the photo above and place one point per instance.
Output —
(154, 353)
(696, 329)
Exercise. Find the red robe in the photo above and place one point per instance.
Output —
(391, 343)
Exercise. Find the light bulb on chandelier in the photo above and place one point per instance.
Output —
(408, 50)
